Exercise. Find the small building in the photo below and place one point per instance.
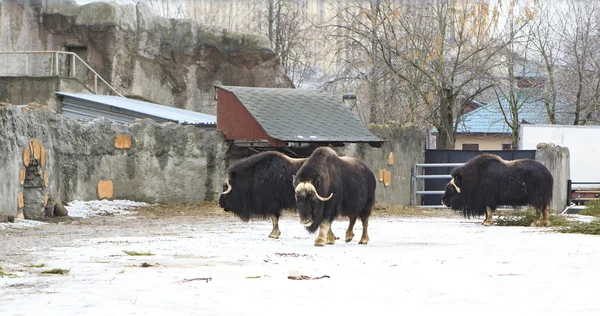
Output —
(292, 120)
(82, 106)
(485, 128)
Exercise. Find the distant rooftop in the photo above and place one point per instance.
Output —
(124, 110)
(489, 119)
(302, 115)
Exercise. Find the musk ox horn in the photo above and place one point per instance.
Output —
(228, 187)
(322, 198)
(454, 184)
(310, 187)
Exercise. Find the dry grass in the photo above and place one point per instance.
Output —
(592, 208)
(591, 228)
(525, 218)
(4, 274)
(135, 253)
(386, 210)
(206, 209)
(41, 265)
(56, 271)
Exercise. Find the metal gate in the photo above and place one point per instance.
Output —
(435, 172)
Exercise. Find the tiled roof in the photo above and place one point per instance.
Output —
(302, 115)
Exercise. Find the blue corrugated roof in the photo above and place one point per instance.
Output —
(167, 112)
(489, 119)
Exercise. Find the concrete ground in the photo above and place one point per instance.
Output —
(206, 262)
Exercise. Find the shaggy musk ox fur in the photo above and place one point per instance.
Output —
(488, 181)
(260, 186)
(328, 186)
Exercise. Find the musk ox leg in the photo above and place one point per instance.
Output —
(324, 229)
(364, 239)
(488, 217)
(541, 217)
(275, 232)
(350, 230)
(331, 237)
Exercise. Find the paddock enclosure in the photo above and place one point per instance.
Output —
(207, 262)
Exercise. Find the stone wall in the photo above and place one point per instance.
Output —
(42, 90)
(173, 62)
(149, 162)
(393, 162)
(557, 160)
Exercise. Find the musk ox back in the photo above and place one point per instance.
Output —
(327, 186)
(487, 181)
(260, 186)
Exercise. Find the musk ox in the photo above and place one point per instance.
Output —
(260, 186)
(487, 181)
(327, 186)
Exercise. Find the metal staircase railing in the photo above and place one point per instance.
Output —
(59, 63)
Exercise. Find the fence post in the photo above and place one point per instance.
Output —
(569, 192)
(57, 73)
(73, 65)
(95, 84)
(414, 201)
(27, 65)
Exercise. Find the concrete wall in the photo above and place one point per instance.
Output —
(557, 160)
(406, 144)
(25, 90)
(173, 62)
(166, 163)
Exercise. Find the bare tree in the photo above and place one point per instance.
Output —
(166, 8)
(581, 56)
(517, 77)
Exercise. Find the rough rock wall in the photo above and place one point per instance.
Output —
(174, 62)
(557, 160)
(156, 163)
(392, 164)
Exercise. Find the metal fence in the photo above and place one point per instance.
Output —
(52, 63)
(417, 176)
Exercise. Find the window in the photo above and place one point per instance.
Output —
(470, 147)
(507, 147)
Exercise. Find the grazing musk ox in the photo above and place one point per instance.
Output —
(487, 181)
(260, 186)
(327, 186)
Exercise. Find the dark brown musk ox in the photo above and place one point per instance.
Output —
(260, 186)
(328, 186)
(488, 181)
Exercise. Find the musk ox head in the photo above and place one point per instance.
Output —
(309, 202)
(452, 195)
(225, 195)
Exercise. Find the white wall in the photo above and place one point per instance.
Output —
(583, 143)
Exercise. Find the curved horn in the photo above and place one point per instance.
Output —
(322, 198)
(455, 186)
(310, 187)
(228, 187)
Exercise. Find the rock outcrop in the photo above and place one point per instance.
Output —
(174, 62)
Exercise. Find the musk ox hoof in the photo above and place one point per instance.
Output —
(275, 234)
(320, 242)
(540, 224)
(363, 242)
(487, 223)
(349, 237)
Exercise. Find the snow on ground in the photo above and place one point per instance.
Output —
(21, 223)
(410, 267)
(85, 209)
